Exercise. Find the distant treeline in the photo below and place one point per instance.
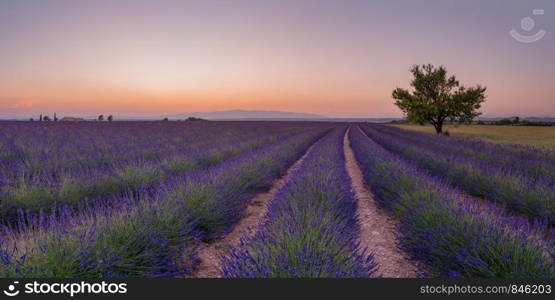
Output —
(46, 118)
(506, 122)
(99, 118)
(188, 119)
(515, 122)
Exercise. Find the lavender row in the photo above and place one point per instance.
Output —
(142, 235)
(105, 183)
(312, 229)
(61, 147)
(527, 161)
(533, 198)
(442, 231)
(61, 154)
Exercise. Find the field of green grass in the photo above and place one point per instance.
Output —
(529, 135)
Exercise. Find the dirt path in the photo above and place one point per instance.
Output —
(377, 228)
(255, 215)
(495, 211)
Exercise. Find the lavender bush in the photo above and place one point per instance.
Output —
(154, 232)
(312, 228)
(73, 164)
(441, 231)
(534, 197)
(528, 161)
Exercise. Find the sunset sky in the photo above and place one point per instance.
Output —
(337, 58)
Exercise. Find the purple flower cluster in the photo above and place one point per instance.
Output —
(155, 230)
(312, 229)
(51, 164)
(517, 177)
(440, 230)
(527, 161)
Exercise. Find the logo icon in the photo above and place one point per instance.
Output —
(528, 24)
(11, 290)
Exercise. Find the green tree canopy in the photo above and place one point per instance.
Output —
(437, 97)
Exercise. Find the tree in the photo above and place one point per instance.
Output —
(194, 119)
(437, 97)
(46, 118)
(504, 122)
(40, 117)
(55, 117)
(110, 118)
(101, 118)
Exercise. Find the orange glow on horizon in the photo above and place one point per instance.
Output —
(340, 59)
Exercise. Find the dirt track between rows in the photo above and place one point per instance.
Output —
(497, 212)
(378, 231)
(255, 215)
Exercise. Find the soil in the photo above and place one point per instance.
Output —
(255, 215)
(544, 235)
(378, 232)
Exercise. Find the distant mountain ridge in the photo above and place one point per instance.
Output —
(239, 114)
(261, 115)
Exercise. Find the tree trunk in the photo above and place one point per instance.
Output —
(439, 127)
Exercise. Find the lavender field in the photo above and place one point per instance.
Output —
(270, 199)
